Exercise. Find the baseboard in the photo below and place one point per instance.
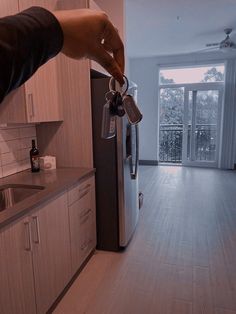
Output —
(148, 162)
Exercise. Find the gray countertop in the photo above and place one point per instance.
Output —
(54, 181)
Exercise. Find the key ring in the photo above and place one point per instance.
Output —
(112, 85)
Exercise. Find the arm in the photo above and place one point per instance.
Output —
(27, 40)
(32, 37)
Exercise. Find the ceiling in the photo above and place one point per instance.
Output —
(165, 27)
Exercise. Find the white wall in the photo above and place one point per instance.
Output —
(144, 72)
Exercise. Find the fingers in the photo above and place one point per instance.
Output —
(109, 63)
(114, 44)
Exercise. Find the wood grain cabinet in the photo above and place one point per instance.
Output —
(41, 90)
(35, 263)
(82, 215)
(16, 271)
(12, 109)
(41, 252)
(38, 99)
(51, 251)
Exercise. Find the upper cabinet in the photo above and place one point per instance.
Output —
(38, 99)
(41, 91)
(71, 142)
(12, 109)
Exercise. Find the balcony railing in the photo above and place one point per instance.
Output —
(171, 142)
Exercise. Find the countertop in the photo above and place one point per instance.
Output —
(54, 181)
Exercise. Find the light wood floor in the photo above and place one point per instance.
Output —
(182, 258)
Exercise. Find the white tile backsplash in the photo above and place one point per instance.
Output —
(15, 144)
(9, 134)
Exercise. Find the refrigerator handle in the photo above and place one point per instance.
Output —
(135, 173)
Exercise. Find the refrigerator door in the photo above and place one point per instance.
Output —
(127, 148)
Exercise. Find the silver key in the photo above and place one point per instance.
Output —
(131, 109)
(108, 122)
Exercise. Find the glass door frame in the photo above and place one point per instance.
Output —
(219, 86)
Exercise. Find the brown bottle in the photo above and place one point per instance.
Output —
(34, 158)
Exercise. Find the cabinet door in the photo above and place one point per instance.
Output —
(16, 272)
(82, 227)
(12, 109)
(41, 91)
(51, 253)
(71, 142)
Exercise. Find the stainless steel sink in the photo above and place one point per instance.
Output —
(11, 194)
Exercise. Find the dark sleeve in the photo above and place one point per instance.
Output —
(27, 40)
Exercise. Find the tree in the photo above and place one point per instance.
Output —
(171, 103)
(212, 75)
(172, 111)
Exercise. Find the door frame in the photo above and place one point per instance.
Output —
(219, 86)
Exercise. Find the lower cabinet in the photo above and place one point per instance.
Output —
(40, 253)
(51, 252)
(16, 270)
(82, 216)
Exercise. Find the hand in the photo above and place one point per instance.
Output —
(90, 34)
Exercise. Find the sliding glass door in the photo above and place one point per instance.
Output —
(201, 130)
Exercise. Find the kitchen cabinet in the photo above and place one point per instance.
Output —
(12, 109)
(82, 215)
(71, 141)
(41, 90)
(51, 251)
(40, 253)
(16, 271)
(35, 263)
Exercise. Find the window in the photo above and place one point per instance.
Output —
(200, 141)
(203, 74)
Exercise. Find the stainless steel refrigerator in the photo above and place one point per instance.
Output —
(116, 163)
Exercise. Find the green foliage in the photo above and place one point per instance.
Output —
(212, 75)
(172, 111)
(172, 101)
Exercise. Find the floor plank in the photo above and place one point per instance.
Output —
(182, 258)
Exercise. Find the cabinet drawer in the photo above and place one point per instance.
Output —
(82, 216)
(80, 190)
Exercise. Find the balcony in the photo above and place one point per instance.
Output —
(171, 143)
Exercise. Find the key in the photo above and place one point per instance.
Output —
(108, 122)
(131, 109)
(117, 105)
(108, 116)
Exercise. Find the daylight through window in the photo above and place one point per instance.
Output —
(189, 99)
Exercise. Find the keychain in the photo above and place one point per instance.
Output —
(118, 103)
(128, 103)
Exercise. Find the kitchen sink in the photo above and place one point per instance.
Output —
(11, 194)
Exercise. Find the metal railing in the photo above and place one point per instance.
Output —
(171, 141)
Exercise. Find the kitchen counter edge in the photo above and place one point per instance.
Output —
(55, 182)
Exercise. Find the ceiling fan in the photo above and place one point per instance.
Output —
(225, 45)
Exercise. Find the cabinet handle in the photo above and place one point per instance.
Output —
(31, 105)
(86, 213)
(28, 246)
(85, 187)
(83, 194)
(84, 246)
(36, 223)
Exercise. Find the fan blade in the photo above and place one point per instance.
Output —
(213, 45)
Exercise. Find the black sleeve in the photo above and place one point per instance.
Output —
(27, 40)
